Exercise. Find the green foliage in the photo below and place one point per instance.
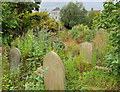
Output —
(101, 46)
(109, 19)
(34, 48)
(89, 19)
(82, 33)
(43, 21)
(12, 18)
(71, 74)
(35, 82)
(113, 62)
(99, 79)
(73, 14)
(5, 67)
(10, 81)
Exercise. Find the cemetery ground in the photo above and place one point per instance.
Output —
(82, 54)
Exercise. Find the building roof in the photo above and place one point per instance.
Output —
(57, 8)
(95, 11)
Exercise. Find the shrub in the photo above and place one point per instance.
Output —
(43, 21)
(109, 19)
(82, 33)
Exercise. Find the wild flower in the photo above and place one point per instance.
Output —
(73, 56)
(55, 35)
(96, 48)
(30, 36)
(54, 40)
(45, 42)
(53, 50)
(90, 42)
(104, 43)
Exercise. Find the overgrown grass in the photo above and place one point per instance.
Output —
(79, 75)
(99, 79)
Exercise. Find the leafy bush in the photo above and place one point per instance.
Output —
(109, 19)
(82, 33)
(43, 21)
(12, 18)
(89, 18)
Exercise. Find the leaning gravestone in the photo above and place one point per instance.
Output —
(14, 59)
(86, 51)
(54, 77)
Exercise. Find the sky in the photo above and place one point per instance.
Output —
(73, 0)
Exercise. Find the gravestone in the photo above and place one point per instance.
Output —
(86, 51)
(14, 59)
(100, 42)
(100, 39)
(54, 75)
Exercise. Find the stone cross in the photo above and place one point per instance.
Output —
(54, 75)
(14, 59)
(86, 51)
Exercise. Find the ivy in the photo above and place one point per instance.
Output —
(109, 20)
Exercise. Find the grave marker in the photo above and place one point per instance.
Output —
(14, 59)
(54, 79)
(86, 50)
(100, 38)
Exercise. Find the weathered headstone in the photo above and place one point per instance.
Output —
(86, 51)
(14, 59)
(54, 77)
(100, 39)
(100, 42)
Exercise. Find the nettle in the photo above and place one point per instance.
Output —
(109, 20)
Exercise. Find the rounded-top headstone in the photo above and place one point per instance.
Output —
(14, 59)
(54, 77)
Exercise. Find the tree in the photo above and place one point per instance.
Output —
(73, 14)
(12, 18)
(89, 18)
